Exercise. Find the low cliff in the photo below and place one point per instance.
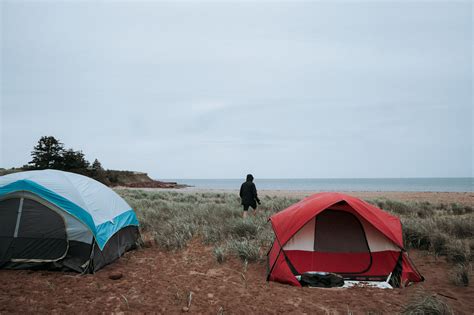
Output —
(114, 178)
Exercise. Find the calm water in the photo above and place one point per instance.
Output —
(342, 184)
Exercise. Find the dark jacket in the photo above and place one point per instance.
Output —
(248, 193)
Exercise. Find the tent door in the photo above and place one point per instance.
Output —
(340, 236)
(31, 232)
(9, 209)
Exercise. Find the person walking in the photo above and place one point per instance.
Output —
(248, 194)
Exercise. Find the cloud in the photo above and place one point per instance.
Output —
(189, 90)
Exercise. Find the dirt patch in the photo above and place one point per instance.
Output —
(192, 281)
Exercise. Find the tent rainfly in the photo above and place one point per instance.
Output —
(333, 232)
(59, 220)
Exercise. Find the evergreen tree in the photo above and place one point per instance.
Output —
(97, 166)
(74, 160)
(47, 153)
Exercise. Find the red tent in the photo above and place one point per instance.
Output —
(337, 233)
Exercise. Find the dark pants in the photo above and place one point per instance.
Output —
(246, 207)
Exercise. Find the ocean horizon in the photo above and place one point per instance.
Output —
(450, 184)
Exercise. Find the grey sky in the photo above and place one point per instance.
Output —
(207, 90)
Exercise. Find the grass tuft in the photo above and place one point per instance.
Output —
(245, 249)
(416, 233)
(426, 304)
(458, 252)
(438, 242)
(219, 253)
(244, 228)
(461, 274)
(396, 207)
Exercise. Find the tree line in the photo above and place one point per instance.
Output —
(50, 153)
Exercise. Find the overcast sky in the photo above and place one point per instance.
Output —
(207, 90)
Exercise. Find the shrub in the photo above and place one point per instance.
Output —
(379, 203)
(456, 208)
(421, 209)
(471, 244)
(244, 228)
(398, 207)
(468, 209)
(213, 234)
(245, 249)
(461, 274)
(424, 209)
(460, 227)
(426, 304)
(416, 234)
(463, 227)
(174, 235)
(438, 243)
(219, 253)
(457, 252)
(276, 204)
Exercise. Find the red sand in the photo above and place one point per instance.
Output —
(162, 282)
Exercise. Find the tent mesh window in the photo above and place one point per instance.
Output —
(30, 231)
(339, 232)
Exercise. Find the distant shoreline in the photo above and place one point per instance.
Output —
(453, 184)
(466, 198)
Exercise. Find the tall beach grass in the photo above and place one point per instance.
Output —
(174, 218)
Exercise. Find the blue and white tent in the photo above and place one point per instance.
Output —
(61, 219)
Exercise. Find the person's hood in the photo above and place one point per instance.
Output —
(249, 178)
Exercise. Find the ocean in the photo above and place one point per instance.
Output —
(464, 184)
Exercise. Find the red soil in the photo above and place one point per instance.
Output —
(163, 282)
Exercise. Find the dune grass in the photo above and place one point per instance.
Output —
(423, 303)
(174, 218)
(461, 274)
(444, 229)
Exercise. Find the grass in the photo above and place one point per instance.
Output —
(445, 230)
(219, 254)
(174, 218)
(461, 274)
(245, 249)
(426, 304)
